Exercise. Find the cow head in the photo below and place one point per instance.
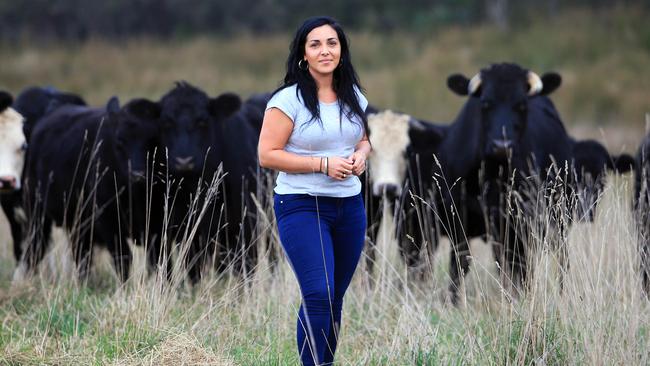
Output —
(136, 135)
(12, 145)
(591, 161)
(189, 121)
(34, 103)
(501, 94)
(389, 136)
(400, 143)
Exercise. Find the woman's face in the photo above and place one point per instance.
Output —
(322, 50)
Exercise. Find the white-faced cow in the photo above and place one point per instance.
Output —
(12, 155)
(402, 177)
(79, 176)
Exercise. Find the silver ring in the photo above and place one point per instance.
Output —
(344, 175)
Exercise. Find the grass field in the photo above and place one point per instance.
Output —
(599, 319)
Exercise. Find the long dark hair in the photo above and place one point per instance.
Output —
(345, 78)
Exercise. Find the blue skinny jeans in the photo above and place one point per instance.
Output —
(322, 238)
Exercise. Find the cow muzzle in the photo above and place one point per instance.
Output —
(8, 183)
(184, 164)
(500, 148)
(389, 190)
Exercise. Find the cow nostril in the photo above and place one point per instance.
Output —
(390, 190)
(8, 182)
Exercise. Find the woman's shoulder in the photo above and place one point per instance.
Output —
(288, 93)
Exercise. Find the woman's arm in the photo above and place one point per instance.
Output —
(360, 155)
(276, 130)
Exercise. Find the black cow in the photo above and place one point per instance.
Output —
(642, 209)
(32, 103)
(35, 102)
(591, 161)
(79, 175)
(507, 138)
(200, 134)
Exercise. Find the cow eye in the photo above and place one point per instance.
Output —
(23, 147)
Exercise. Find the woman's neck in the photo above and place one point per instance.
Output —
(324, 83)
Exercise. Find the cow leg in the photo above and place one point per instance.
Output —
(36, 246)
(197, 257)
(10, 205)
(517, 260)
(458, 267)
(644, 252)
(82, 251)
(373, 221)
(159, 258)
(122, 258)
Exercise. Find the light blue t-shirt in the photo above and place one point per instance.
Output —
(309, 137)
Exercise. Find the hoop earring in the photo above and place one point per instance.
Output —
(303, 67)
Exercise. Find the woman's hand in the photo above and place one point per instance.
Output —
(358, 162)
(339, 168)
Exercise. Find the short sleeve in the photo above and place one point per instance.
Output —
(363, 101)
(286, 101)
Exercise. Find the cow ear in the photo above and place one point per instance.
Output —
(5, 100)
(550, 81)
(622, 163)
(224, 105)
(144, 108)
(113, 105)
(458, 83)
(423, 135)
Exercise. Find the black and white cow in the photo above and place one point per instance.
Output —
(591, 162)
(401, 177)
(32, 103)
(78, 175)
(507, 135)
(12, 156)
(641, 206)
(200, 134)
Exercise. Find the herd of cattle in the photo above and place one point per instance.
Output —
(152, 172)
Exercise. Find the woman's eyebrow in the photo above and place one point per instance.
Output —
(318, 40)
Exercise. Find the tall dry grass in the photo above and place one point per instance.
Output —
(599, 318)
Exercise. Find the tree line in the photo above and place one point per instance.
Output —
(77, 20)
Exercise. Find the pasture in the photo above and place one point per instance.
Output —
(600, 317)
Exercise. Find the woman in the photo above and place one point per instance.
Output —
(315, 133)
